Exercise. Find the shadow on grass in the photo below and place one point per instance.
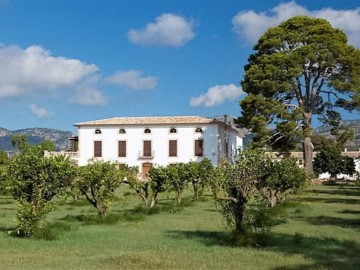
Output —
(325, 253)
(328, 200)
(208, 238)
(334, 221)
(319, 253)
(354, 212)
(6, 229)
(92, 219)
(354, 191)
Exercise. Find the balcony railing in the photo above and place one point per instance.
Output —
(146, 154)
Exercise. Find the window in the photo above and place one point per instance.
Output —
(122, 166)
(147, 130)
(199, 148)
(97, 131)
(198, 130)
(173, 130)
(172, 148)
(122, 131)
(147, 149)
(122, 148)
(97, 148)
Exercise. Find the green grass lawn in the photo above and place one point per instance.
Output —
(322, 231)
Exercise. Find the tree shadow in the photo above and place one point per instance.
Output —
(6, 229)
(323, 252)
(326, 253)
(335, 221)
(354, 212)
(208, 238)
(328, 200)
(342, 191)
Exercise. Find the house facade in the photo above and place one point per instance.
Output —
(157, 141)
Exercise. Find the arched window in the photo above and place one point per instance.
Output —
(173, 130)
(122, 131)
(198, 130)
(97, 131)
(147, 130)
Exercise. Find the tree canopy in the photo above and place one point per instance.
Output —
(299, 69)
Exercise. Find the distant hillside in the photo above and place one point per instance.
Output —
(354, 124)
(35, 136)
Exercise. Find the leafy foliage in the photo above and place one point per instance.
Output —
(235, 186)
(98, 181)
(20, 141)
(35, 182)
(4, 163)
(158, 181)
(282, 177)
(248, 189)
(177, 180)
(47, 145)
(330, 160)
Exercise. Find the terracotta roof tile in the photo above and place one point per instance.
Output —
(158, 120)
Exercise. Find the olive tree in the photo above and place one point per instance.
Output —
(300, 69)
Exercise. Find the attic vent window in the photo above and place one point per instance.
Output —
(173, 130)
(122, 131)
(147, 130)
(198, 130)
(97, 131)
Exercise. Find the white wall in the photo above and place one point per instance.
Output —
(159, 136)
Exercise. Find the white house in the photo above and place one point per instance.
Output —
(149, 141)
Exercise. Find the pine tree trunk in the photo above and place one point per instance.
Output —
(308, 154)
(308, 147)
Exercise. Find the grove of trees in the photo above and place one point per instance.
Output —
(245, 190)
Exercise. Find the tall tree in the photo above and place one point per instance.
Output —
(299, 69)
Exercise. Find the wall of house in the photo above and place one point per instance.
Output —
(159, 136)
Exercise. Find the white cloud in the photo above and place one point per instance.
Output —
(35, 70)
(132, 79)
(250, 25)
(39, 111)
(217, 95)
(88, 96)
(168, 30)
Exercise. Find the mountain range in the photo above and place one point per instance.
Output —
(353, 144)
(35, 136)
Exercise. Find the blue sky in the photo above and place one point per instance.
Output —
(68, 61)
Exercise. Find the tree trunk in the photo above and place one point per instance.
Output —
(178, 197)
(239, 211)
(308, 147)
(308, 154)
(272, 199)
